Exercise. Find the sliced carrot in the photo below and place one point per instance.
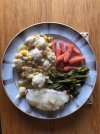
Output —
(58, 64)
(61, 57)
(60, 69)
(66, 64)
(68, 54)
(69, 68)
(58, 52)
(77, 59)
(69, 46)
(54, 46)
(66, 68)
(62, 47)
(76, 51)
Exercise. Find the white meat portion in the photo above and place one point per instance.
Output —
(46, 99)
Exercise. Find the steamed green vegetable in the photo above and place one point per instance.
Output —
(70, 81)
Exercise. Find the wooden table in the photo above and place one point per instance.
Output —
(83, 15)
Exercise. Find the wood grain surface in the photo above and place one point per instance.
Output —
(83, 15)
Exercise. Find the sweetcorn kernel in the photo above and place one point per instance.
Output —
(17, 56)
(46, 38)
(50, 44)
(22, 47)
(30, 57)
(24, 52)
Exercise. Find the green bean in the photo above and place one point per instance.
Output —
(69, 81)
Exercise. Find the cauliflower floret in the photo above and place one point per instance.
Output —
(30, 40)
(42, 43)
(22, 91)
(36, 54)
(51, 57)
(36, 40)
(18, 63)
(38, 80)
(46, 65)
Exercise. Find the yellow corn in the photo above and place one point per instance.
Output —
(30, 57)
(50, 44)
(46, 38)
(22, 47)
(17, 56)
(24, 52)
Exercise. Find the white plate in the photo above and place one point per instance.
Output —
(65, 33)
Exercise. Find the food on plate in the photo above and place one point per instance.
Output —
(38, 80)
(54, 46)
(58, 52)
(77, 59)
(49, 72)
(76, 51)
(46, 99)
(62, 47)
(69, 81)
(68, 53)
(68, 57)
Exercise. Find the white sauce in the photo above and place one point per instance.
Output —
(46, 99)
